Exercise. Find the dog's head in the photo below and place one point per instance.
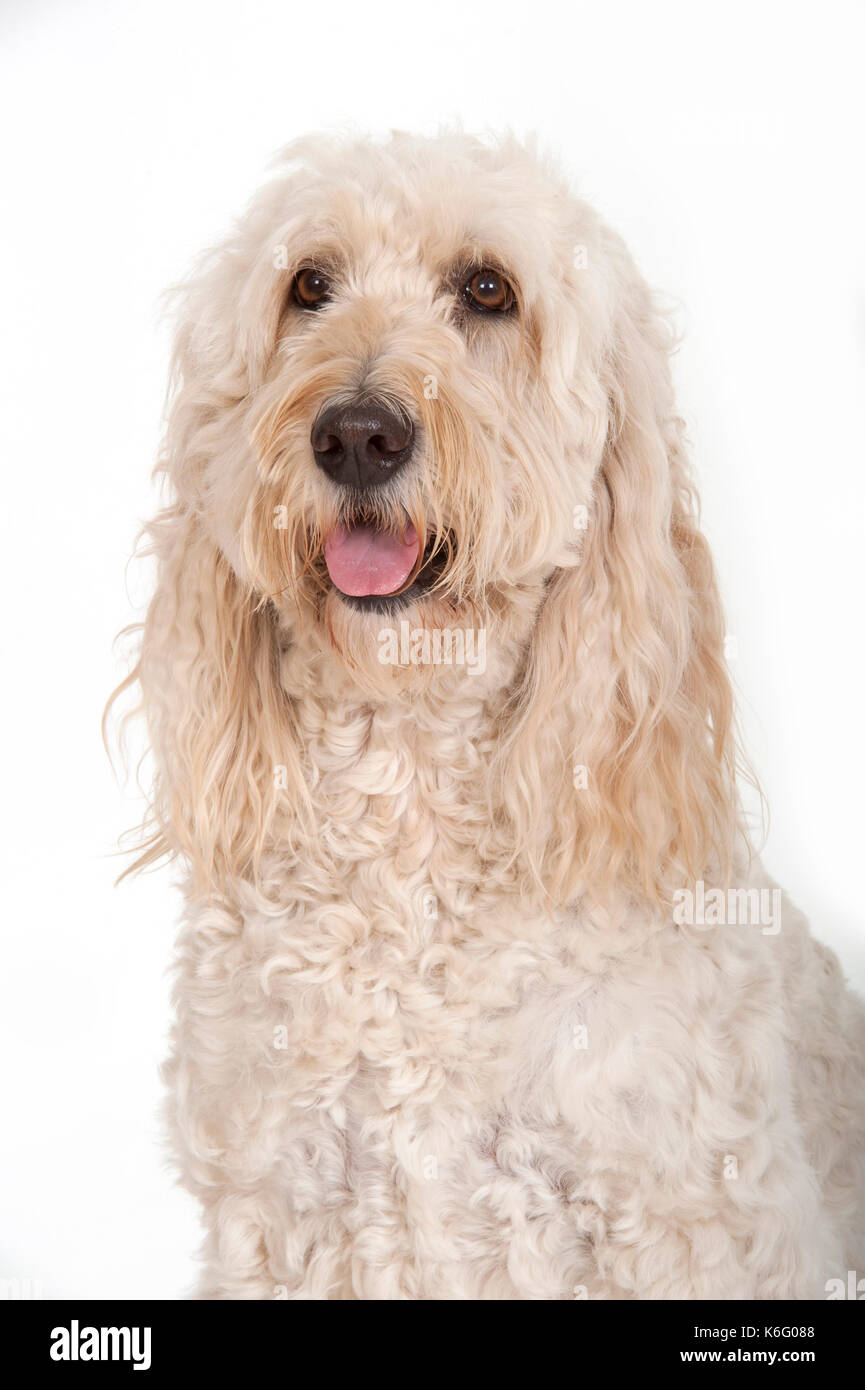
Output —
(394, 376)
(423, 384)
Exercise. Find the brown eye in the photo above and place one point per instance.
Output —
(489, 290)
(310, 288)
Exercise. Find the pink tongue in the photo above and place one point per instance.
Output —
(364, 561)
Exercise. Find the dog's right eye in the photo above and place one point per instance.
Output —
(488, 292)
(310, 288)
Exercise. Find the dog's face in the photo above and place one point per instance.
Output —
(420, 325)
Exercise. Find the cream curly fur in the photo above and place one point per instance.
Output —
(439, 1034)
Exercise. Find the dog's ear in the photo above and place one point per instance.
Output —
(620, 763)
(219, 724)
(226, 758)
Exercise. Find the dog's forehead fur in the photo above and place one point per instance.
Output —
(395, 219)
(430, 202)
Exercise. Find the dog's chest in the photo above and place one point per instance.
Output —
(402, 1002)
(410, 935)
(381, 1048)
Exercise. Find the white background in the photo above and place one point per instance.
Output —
(725, 142)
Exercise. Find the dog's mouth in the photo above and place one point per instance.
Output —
(375, 568)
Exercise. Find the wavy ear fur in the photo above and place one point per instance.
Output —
(218, 720)
(620, 761)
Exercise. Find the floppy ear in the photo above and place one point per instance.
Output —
(219, 723)
(220, 726)
(621, 758)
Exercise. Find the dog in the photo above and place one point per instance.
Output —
(481, 991)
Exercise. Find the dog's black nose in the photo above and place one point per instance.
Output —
(362, 445)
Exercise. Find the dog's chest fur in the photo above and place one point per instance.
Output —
(394, 1001)
(401, 1077)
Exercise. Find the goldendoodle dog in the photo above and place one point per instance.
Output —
(481, 992)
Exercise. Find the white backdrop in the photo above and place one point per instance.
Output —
(726, 143)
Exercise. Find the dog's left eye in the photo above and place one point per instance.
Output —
(310, 288)
(489, 291)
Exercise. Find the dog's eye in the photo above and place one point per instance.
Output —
(310, 288)
(488, 290)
